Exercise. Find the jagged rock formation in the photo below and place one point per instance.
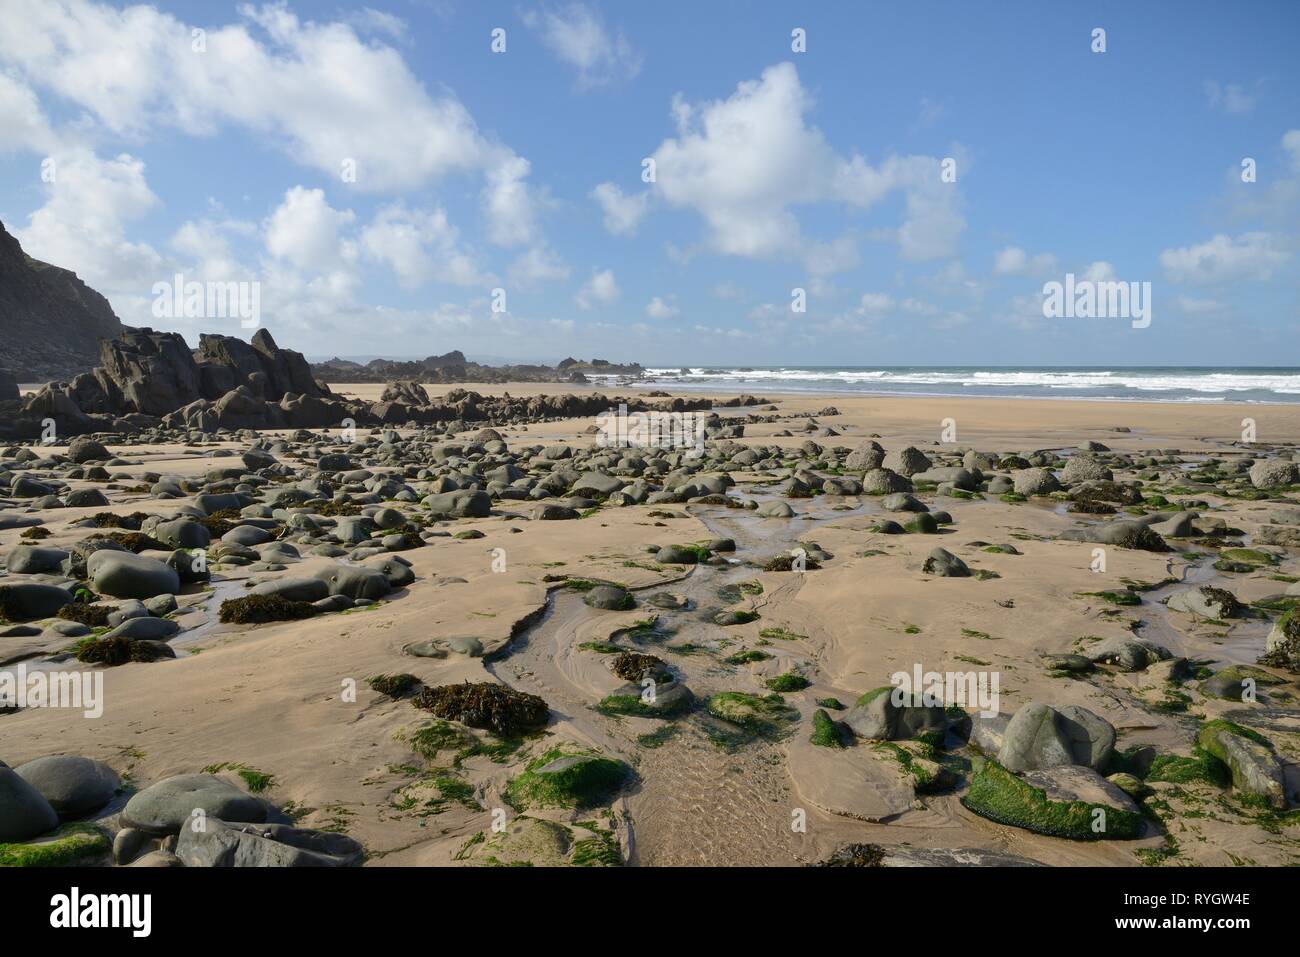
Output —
(148, 378)
(51, 323)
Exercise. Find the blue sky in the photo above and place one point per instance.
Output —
(775, 170)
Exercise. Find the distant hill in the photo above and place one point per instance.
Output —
(51, 322)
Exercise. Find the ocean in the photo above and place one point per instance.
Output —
(1136, 384)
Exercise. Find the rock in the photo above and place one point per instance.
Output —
(677, 555)
(1039, 736)
(264, 845)
(128, 843)
(145, 628)
(126, 575)
(1282, 646)
(884, 481)
(1085, 468)
(1127, 654)
(85, 449)
(908, 461)
(1255, 767)
(165, 807)
(877, 717)
(1132, 535)
(24, 813)
(74, 786)
(775, 509)
(1077, 783)
(182, 533)
(86, 498)
(609, 598)
(1207, 602)
(30, 601)
(461, 504)
(396, 570)
(294, 589)
(867, 456)
(945, 564)
(903, 855)
(355, 582)
(1274, 473)
(1036, 481)
(157, 858)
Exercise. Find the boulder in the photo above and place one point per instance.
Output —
(74, 786)
(126, 575)
(165, 807)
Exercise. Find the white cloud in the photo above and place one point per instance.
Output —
(419, 246)
(1225, 259)
(25, 126)
(728, 290)
(1099, 271)
(307, 232)
(874, 303)
(599, 290)
(745, 162)
(1230, 98)
(1014, 261)
(316, 91)
(576, 34)
(538, 264)
(623, 213)
(660, 309)
(81, 226)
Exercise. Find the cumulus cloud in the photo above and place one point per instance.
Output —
(658, 308)
(745, 163)
(82, 224)
(536, 265)
(419, 246)
(576, 34)
(307, 231)
(599, 290)
(623, 213)
(1224, 258)
(1014, 261)
(317, 91)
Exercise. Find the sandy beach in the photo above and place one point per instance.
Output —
(286, 706)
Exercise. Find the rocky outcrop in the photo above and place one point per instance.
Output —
(51, 323)
(147, 378)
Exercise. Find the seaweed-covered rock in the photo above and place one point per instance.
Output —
(609, 598)
(1207, 602)
(944, 564)
(1282, 647)
(494, 707)
(997, 794)
(877, 716)
(258, 609)
(565, 777)
(1250, 758)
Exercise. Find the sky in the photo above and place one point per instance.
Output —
(670, 182)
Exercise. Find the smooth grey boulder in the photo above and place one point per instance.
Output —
(609, 598)
(127, 575)
(460, 504)
(28, 601)
(86, 498)
(880, 718)
(294, 589)
(1126, 653)
(355, 582)
(74, 786)
(945, 564)
(34, 560)
(1132, 535)
(1039, 736)
(247, 535)
(24, 813)
(397, 571)
(223, 844)
(165, 807)
(145, 628)
(353, 529)
(775, 509)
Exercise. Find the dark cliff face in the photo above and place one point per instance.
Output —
(51, 323)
